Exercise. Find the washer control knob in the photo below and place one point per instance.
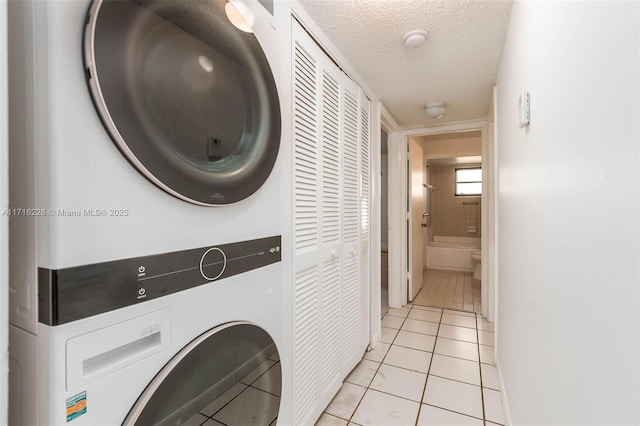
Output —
(213, 263)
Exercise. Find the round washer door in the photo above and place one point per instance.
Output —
(187, 97)
(230, 374)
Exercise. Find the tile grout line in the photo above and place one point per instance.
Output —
(428, 374)
(457, 357)
(410, 400)
(454, 411)
(246, 386)
(401, 368)
(365, 392)
(454, 380)
(378, 369)
(454, 311)
(424, 389)
(262, 390)
(418, 371)
(484, 415)
(384, 392)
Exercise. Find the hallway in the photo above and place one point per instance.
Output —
(432, 367)
(450, 290)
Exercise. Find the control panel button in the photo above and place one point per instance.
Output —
(213, 263)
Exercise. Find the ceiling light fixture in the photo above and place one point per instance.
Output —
(434, 109)
(414, 38)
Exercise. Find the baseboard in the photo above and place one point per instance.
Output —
(503, 394)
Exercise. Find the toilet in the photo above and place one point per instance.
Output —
(476, 256)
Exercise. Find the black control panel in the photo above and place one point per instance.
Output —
(70, 294)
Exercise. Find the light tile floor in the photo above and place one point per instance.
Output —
(432, 367)
(450, 290)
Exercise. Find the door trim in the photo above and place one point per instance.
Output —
(397, 216)
(396, 157)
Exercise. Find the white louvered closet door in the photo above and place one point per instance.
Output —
(330, 362)
(328, 311)
(307, 274)
(351, 347)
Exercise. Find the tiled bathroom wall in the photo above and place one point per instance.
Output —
(449, 216)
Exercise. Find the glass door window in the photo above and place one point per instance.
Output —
(230, 374)
(187, 97)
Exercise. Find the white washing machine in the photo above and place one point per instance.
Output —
(146, 212)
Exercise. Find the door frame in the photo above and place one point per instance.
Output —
(398, 216)
(395, 230)
(381, 120)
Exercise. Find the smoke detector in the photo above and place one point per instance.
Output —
(414, 38)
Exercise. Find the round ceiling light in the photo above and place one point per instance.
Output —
(434, 109)
(414, 38)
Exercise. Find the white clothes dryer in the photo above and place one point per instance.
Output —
(204, 355)
(145, 271)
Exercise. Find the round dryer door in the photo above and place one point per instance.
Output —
(188, 97)
(230, 374)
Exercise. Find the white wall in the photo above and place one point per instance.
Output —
(384, 184)
(447, 145)
(384, 223)
(568, 323)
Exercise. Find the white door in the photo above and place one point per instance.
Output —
(416, 210)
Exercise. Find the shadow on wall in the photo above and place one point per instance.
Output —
(384, 220)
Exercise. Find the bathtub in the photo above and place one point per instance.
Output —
(452, 253)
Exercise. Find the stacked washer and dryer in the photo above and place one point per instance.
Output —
(146, 280)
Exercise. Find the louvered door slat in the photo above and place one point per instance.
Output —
(350, 225)
(305, 342)
(330, 160)
(331, 333)
(350, 171)
(350, 313)
(305, 151)
(305, 182)
(364, 168)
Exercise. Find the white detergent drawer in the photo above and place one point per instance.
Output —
(101, 352)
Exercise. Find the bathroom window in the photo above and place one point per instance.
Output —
(469, 181)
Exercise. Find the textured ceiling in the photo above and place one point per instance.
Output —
(457, 65)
